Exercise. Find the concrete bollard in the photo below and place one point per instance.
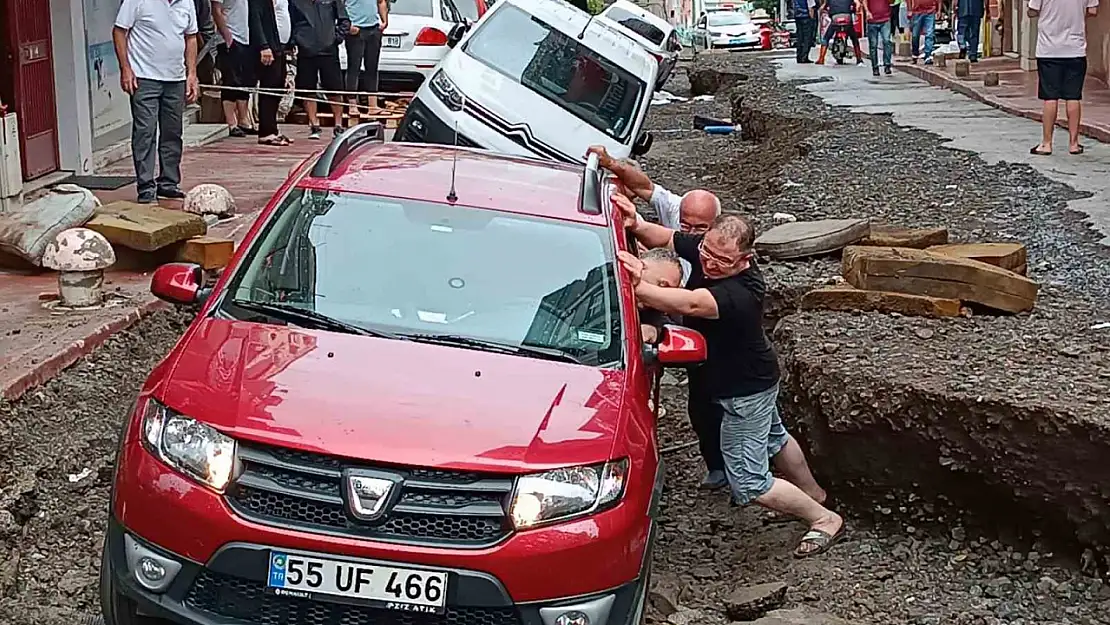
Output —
(940, 60)
(990, 79)
(963, 69)
(903, 49)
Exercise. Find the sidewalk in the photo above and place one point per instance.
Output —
(37, 343)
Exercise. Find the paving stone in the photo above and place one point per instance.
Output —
(751, 602)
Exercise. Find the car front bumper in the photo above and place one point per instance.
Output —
(743, 41)
(229, 589)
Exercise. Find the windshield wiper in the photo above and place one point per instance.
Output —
(304, 316)
(546, 353)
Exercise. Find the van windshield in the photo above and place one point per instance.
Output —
(559, 68)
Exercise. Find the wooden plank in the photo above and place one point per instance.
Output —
(845, 298)
(208, 252)
(884, 235)
(1005, 255)
(145, 227)
(921, 272)
(811, 238)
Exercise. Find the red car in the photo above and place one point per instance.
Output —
(417, 396)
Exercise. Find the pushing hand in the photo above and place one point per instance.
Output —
(627, 209)
(634, 266)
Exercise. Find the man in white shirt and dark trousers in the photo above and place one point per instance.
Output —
(156, 46)
(270, 30)
(236, 64)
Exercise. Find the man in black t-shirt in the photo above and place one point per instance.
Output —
(723, 300)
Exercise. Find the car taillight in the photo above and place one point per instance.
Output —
(431, 37)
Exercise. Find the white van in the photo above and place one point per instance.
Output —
(537, 78)
(649, 30)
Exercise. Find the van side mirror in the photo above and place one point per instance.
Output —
(642, 144)
(457, 32)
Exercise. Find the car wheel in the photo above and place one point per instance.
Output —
(114, 607)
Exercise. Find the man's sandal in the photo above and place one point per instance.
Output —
(823, 540)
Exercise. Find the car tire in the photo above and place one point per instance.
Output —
(114, 607)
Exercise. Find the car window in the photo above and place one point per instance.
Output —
(411, 267)
(636, 24)
(468, 9)
(729, 19)
(559, 68)
(673, 44)
(420, 8)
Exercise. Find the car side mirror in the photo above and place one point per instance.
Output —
(642, 144)
(179, 283)
(679, 346)
(457, 32)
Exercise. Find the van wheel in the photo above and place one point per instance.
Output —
(114, 607)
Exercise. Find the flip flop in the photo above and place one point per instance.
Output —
(1078, 150)
(1034, 151)
(823, 540)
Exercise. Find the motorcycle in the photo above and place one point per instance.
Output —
(840, 46)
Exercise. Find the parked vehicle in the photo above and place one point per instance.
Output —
(654, 33)
(537, 78)
(419, 387)
(472, 10)
(725, 29)
(414, 42)
(840, 46)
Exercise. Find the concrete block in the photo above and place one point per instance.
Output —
(963, 69)
(990, 79)
(941, 60)
(208, 252)
(903, 48)
(145, 227)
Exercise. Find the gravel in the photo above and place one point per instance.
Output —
(906, 560)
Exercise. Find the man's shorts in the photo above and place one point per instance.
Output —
(751, 434)
(236, 65)
(319, 71)
(1061, 79)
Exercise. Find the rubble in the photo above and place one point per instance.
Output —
(751, 602)
(665, 593)
(800, 616)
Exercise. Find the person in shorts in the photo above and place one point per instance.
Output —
(236, 64)
(1061, 65)
(319, 27)
(723, 300)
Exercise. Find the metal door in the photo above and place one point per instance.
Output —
(29, 37)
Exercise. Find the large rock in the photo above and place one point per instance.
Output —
(749, 602)
(884, 235)
(145, 227)
(1010, 256)
(665, 593)
(810, 238)
(800, 616)
(845, 298)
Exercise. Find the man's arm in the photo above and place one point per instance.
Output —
(678, 301)
(1092, 8)
(383, 12)
(630, 176)
(219, 18)
(259, 34)
(343, 20)
(652, 235)
(1034, 8)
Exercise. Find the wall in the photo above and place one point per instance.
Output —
(111, 110)
(1098, 43)
(71, 93)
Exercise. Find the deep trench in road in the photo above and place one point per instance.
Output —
(910, 557)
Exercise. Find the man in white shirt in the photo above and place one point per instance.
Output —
(236, 64)
(156, 46)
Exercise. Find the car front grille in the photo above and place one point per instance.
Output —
(286, 487)
(248, 602)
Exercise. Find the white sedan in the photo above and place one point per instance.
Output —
(725, 29)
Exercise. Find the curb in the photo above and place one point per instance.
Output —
(954, 84)
(73, 352)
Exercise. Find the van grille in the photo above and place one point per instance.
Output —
(286, 487)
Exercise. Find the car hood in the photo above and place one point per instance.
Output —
(393, 401)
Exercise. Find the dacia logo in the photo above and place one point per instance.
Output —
(368, 495)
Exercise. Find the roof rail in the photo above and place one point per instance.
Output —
(342, 146)
(591, 186)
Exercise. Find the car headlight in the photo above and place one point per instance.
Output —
(446, 91)
(560, 494)
(188, 445)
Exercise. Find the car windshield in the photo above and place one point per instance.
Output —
(411, 268)
(729, 19)
(636, 24)
(559, 68)
(421, 8)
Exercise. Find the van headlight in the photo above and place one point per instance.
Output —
(191, 447)
(560, 494)
(446, 91)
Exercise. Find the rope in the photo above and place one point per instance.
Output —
(281, 91)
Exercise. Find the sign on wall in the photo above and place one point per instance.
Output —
(110, 106)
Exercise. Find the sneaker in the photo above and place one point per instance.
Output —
(171, 194)
(247, 130)
(974, 59)
(929, 61)
(314, 132)
(146, 199)
(236, 132)
(714, 480)
(886, 70)
(874, 71)
(914, 60)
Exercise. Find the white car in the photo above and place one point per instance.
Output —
(413, 43)
(725, 29)
(537, 78)
(649, 30)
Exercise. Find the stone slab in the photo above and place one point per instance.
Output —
(145, 227)
(885, 235)
(811, 238)
(921, 272)
(1011, 256)
(208, 252)
(844, 298)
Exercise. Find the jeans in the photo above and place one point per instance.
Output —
(875, 34)
(968, 29)
(270, 76)
(807, 32)
(157, 118)
(751, 434)
(364, 49)
(923, 25)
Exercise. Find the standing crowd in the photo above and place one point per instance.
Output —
(157, 44)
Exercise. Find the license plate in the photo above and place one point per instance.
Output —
(298, 575)
(737, 41)
(391, 41)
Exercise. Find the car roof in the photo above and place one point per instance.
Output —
(485, 180)
(602, 36)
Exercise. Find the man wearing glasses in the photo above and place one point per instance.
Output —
(723, 300)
